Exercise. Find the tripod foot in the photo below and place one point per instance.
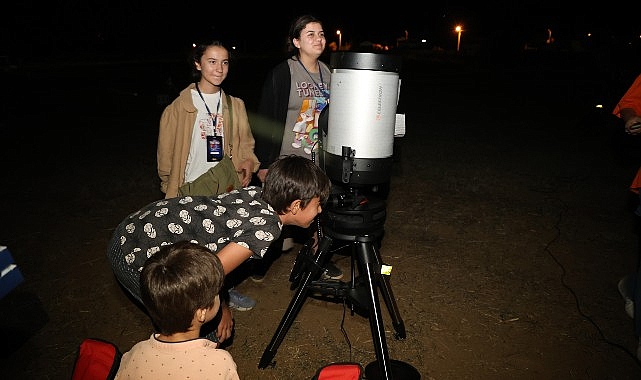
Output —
(266, 359)
(399, 369)
(400, 331)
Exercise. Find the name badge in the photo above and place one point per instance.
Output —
(214, 148)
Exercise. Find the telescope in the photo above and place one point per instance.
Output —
(358, 147)
(356, 153)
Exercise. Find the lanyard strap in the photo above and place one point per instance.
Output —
(231, 122)
(214, 117)
(324, 92)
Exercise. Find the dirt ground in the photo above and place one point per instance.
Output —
(508, 225)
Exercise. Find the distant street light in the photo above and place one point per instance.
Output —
(339, 39)
(458, 30)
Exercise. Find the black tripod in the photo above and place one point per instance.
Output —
(361, 290)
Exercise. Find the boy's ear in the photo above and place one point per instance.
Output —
(201, 315)
(295, 206)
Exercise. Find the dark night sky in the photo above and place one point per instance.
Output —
(143, 27)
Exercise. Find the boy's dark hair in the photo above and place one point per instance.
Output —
(178, 280)
(294, 177)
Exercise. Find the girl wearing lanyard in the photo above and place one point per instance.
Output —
(195, 132)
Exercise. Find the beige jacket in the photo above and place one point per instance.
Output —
(174, 139)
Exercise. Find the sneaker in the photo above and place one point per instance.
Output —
(258, 278)
(629, 303)
(212, 337)
(332, 272)
(240, 302)
(629, 308)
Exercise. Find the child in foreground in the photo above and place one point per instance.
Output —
(179, 287)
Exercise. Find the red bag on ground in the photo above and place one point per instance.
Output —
(97, 360)
(340, 371)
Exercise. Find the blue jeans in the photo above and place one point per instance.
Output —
(632, 288)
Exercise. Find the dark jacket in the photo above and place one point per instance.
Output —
(269, 122)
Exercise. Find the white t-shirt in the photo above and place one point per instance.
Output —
(203, 126)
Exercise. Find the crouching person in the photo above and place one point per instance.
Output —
(236, 226)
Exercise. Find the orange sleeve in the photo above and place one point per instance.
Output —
(631, 99)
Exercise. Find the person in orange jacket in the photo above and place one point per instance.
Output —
(629, 110)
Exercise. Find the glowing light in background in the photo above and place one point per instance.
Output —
(458, 30)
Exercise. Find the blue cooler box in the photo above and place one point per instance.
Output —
(10, 274)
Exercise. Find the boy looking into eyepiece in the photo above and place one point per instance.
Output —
(235, 226)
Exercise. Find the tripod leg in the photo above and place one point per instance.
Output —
(286, 322)
(313, 272)
(390, 301)
(372, 272)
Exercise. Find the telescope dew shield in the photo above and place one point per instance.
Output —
(364, 90)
